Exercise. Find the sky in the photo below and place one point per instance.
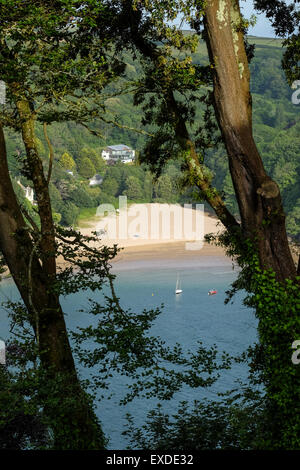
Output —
(263, 27)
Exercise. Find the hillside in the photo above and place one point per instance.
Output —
(276, 128)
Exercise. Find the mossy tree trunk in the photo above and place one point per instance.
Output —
(67, 409)
(258, 196)
(262, 221)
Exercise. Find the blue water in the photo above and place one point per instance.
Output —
(186, 318)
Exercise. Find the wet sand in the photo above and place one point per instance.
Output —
(168, 256)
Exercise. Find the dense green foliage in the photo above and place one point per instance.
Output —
(262, 414)
(276, 305)
(203, 425)
(121, 342)
(276, 129)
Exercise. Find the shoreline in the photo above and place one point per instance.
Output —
(164, 230)
(166, 255)
(140, 249)
(140, 252)
(169, 255)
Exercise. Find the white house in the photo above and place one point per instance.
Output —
(118, 153)
(96, 180)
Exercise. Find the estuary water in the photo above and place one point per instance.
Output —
(186, 319)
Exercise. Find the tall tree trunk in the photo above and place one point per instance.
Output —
(262, 215)
(35, 170)
(258, 196)
(73, 422)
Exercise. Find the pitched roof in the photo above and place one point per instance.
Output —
(96, 177)
(118, 147)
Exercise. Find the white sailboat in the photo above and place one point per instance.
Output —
(178, 289)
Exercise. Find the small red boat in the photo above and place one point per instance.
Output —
(212, 292)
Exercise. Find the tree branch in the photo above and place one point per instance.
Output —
(196, 169)
(51, 154)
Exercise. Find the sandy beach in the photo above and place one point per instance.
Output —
(162, 245)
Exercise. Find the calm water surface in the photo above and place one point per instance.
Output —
(186, 318)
